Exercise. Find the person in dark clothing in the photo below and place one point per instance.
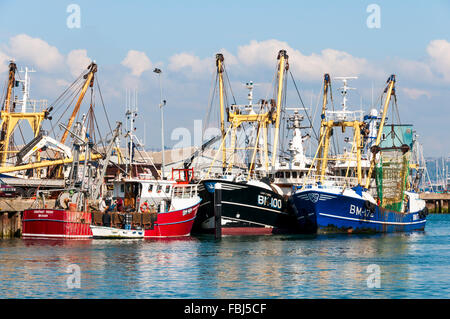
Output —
(112, 207)
(106, 219)
(119, 205)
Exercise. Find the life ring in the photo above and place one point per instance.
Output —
(144, 207)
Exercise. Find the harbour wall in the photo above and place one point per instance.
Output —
(437, 203)
(11, 211)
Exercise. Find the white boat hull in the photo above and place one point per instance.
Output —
(110, 232)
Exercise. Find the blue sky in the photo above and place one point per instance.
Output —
(169, 33)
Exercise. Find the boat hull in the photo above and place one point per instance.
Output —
(176, 223)
(56, 223)
(246, 210)
(111, 233)
(324, 212)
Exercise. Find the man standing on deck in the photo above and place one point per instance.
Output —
(102, 206)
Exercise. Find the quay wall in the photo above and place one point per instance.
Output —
(437, 203)
(11, 211)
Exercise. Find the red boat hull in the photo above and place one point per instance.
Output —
(175, 223)
(56, 223)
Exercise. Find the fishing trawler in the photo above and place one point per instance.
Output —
(162, 208)
(157, 207)
(289, 171)
(82, 174)
(326, 204)
(251, 203)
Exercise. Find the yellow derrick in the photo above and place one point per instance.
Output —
(326, 132)
(11, 119)
(236, 119)
(45, 164)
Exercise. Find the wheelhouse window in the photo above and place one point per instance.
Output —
(185, 191)
(129, 188)
(150, 188)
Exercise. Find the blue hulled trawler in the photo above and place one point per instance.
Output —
(378, 197)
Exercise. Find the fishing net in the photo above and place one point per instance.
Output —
(391, 177)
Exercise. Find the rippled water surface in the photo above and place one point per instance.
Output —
(414, 265)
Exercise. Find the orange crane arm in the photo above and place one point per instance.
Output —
(89, 82)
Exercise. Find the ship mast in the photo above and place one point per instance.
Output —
(88, 83)
(326, 86)
(390, 90)
(4, 138)
(238, 114)
(131, 115)
(220, 69)
(282, 66)
(343, 119)
(10, 118)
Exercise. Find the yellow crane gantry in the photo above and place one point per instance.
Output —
(89, 81)
(10, 118)
(263, 120)
(326, 133)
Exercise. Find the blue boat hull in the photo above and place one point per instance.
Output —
(323, 212)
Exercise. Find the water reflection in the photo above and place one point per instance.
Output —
(285, 266)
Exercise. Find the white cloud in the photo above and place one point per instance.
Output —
(190, 64)
(439, 53)
(137, 62)
(415, 93)
(78, 61)
(434, 68)
(260, 53)
(310, 67)
(35, 51)
(263, 54)
(417, 71)
(4, 61)
(229, 58)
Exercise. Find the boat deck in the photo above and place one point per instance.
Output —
(143, 220)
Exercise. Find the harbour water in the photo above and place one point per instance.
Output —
(411, 265)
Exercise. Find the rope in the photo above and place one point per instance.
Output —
(301, 100)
